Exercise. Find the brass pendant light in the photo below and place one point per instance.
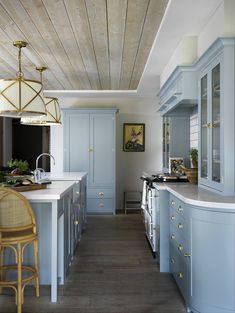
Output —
(53, 115)
(20, 96)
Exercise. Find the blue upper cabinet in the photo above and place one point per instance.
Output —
(180, 89)
(216, 70)
(89, 145)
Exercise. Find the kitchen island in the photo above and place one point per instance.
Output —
(200, 245)
(57, 215)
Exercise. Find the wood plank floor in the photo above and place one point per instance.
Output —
(113, 272)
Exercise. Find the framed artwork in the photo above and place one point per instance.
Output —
(174, 165)
(133, 137)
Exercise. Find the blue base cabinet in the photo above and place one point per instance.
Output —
(202, 256)
(89, 145)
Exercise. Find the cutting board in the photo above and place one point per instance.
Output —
(29, 187)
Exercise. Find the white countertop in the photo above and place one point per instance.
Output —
(194, 195)
(54, 191)
(75, 176)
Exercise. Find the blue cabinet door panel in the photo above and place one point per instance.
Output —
(78, 146)
(103, 149)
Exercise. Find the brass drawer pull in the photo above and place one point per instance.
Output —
(180, 248)
(187, 255)
(101, 205)
(101, 194)
(180, 226)
(180, 209)
(181, 275)
(172, 236)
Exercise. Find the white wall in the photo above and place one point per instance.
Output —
(130, 165)
(220, 24)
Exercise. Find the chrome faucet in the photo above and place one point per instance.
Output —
(38, 171)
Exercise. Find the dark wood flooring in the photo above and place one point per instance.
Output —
(113, 272)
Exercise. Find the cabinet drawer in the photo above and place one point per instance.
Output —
(100, 193)
(177, 205)
(178, 221)
(76, 191)
(100, 205)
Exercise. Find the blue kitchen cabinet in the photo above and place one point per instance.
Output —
(90, 147)
(202, 256)
(216, 74)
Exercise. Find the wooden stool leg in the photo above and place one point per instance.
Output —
(36, 280)
(19, 285)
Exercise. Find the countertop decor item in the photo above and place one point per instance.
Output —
(191, 173)
(194, 156)
(133, 137)
(19, 96)
(53, 114)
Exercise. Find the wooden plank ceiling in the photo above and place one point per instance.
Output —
(85, 44)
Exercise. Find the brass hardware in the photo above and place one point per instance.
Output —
(181, 275)
(101, 194)
(187, 255)
(172, 217)
(172, 260)
(172, 202)
(180, 226)
(180, 209)
(76, 222)
(101, 205)
(20, 44)
(209, 125)
(172, 236)
(180, 248)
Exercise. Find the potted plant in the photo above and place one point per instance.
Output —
(18, 167)
(194, 157)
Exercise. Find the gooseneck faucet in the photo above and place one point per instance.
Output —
(38, 171)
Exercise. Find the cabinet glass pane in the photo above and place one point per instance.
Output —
(216, 123)
(164, 142)
(204, 119)
(167, 142)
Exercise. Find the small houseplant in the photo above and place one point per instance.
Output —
(18, 166)
(194, 157)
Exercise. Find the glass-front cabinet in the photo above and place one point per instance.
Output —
(210, 168)
(216, 82)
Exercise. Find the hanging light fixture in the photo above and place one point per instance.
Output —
(20, 96)
(53, 115)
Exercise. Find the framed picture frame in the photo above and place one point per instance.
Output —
(174, 165)
(134, 137)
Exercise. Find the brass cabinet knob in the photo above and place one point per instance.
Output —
(172, 202)
(172, 236)
(172, 217)
(180, 248)
(76, 222)
(187, 255)
(77, 193)
(180, 226)
(181, 274)
(101, 205)
(101, 194)
(180, 209)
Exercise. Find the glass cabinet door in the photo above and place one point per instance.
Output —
(166, 142)
(216, 124)
(204, 127)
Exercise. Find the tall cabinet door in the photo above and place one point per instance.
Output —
(102, 154)
(77, 143)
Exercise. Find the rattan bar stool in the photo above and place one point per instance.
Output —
(17, 231)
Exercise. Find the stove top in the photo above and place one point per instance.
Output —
(165, 177)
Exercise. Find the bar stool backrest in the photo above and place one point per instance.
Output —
(16, 213)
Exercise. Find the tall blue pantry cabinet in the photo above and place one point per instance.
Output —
(89, 145)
